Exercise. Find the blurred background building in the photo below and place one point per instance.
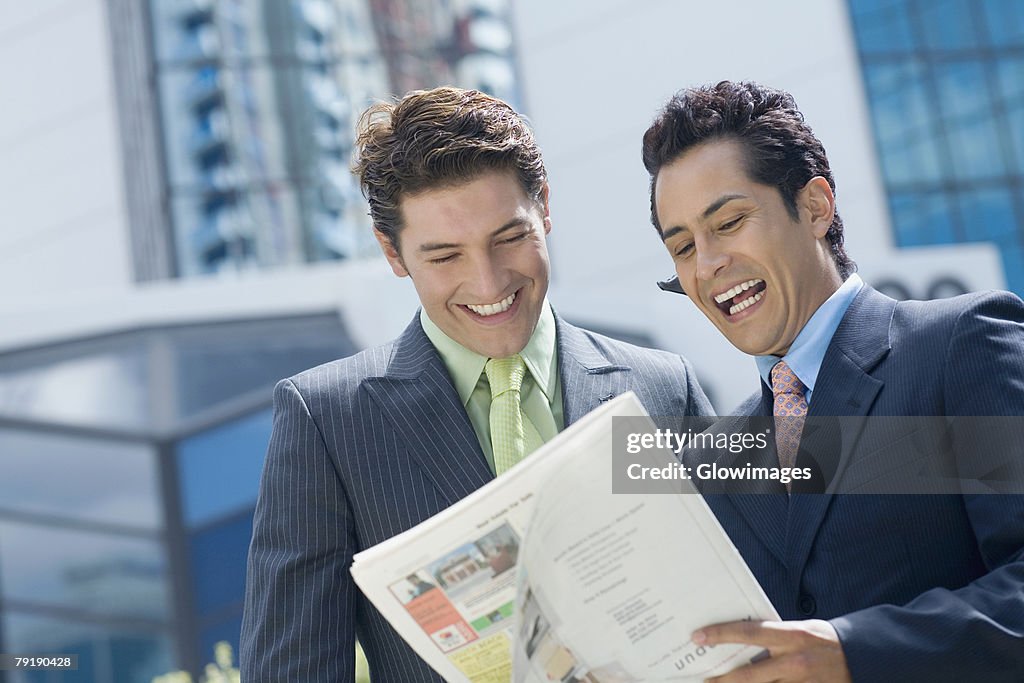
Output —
(180, 230)
(945, 85)
(248, 130)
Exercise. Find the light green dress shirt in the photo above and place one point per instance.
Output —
(541, 394)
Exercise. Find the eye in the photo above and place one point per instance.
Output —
(733, 224)
(443, 259)
(685, 249)
(517, 238)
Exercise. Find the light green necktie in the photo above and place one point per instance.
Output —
(508, 436)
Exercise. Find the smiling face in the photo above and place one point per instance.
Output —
(477, 255)
(752, 269)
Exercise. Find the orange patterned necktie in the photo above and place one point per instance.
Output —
(791, 407)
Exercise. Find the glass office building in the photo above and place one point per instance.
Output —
(257, 103)
(130, 466)
(945, 84)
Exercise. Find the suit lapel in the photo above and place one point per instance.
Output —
(417, 397)
(846, 389)
(765, 511)
(588, 377)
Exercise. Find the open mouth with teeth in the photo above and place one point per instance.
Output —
(740, 297)
(488, 310)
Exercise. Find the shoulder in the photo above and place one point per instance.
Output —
(985, 312)
(973, 345)
(992, 304)
(339, 378)
(622, 353)
(665, 382)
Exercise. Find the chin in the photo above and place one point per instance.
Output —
(748, 347)
(504, 351)
(505, 348)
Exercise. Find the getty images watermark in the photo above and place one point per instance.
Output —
(863, 455)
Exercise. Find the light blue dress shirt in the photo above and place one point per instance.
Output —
(808, 349)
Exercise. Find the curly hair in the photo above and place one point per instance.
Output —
(438, 138)
(780, 150)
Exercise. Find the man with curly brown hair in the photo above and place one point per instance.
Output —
(366, 447)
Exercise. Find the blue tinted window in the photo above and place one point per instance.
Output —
(29, 633)
(904, 122)
(106, 654)
(101, 388)
(1010, 80)
(948, 113)
(134, 656)
(80, 479)
(961, 89)
(974, 147)
(98, 573)
(1013, 263)
(220, 468)
(988, 214)
(882, 26)
(218, 556)
(217, 366)
(922, 218)
(1004, 22)
(947, 24)
(969, 121)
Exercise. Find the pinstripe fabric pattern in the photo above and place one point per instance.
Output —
(919, 588)
(369, 446)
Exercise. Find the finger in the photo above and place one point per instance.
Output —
(767, 634)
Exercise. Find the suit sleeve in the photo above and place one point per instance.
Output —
(299, 615)
(975, 632)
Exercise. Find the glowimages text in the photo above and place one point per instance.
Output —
(715, 472)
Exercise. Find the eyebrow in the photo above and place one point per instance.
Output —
(708, 212)
(511, 225)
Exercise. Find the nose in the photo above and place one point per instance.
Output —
(711, 259)
(490, 280)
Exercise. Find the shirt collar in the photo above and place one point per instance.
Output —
(809, 347)
(465, 366)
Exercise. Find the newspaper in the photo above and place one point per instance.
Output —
(544, 574)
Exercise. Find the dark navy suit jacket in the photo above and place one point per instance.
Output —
(366, 447)
(918, 587)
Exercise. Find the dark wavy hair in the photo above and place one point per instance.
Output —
(437, 138)
(779, 147)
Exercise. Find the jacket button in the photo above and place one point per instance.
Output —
(807, 605)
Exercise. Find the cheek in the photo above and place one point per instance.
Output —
(544, 263)
(534, 261)
(686, 275)
(432, 289)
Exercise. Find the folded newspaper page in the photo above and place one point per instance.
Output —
(545, 575)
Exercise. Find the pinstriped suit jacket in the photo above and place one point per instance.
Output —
(368, 446)
(919, 587)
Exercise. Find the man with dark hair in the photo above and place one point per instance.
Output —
(903, 587)
(366, 447)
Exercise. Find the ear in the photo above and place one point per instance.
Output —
(817, 198)
(545, 196)
(390, 253)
